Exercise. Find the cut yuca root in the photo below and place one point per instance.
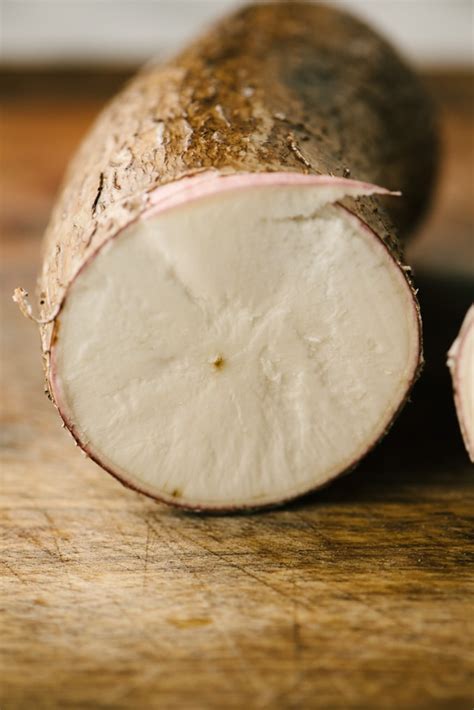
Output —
(250, 345)
(461, 365)
(225, 318)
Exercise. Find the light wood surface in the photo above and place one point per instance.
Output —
(357, 597)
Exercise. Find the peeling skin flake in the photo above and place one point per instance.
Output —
(249, 333)
(160, 132)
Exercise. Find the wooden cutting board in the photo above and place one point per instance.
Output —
(357, 597)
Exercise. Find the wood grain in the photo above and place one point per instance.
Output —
(358, 597)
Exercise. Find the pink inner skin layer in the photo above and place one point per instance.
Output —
(211, 182)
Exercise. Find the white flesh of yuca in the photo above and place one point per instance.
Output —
(238, 349)
(461, 364)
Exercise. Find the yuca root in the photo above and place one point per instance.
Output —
(461, 365)
(288, 88)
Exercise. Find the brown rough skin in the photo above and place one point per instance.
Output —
(290, 87)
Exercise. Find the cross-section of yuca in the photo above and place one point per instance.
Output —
(461, 365)
(225, 317)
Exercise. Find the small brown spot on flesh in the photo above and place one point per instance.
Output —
(218, 362)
